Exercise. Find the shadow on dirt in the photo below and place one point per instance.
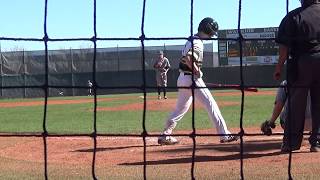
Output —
(220, 152)
(203, 159)
(111, 148)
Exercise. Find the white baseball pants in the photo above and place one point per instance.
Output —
(185, 100)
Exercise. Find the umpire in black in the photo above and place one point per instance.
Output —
(299, 39)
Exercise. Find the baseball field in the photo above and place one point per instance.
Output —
(122, 157)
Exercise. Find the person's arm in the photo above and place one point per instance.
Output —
(269, 124)
(279, 102)
(283, 54)
(190, 62)
(277, 108)
(167, 67)
(155, 65)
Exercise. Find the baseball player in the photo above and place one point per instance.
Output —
(90, 88)
(190, 67)
(281, 109)
(162, 67)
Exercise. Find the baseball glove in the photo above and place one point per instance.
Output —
(267, 126)
(157, 65)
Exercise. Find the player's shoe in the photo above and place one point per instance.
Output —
(159, 97)
(165, 97)
(314, 149)
(286, 149)
(167, 140)
(229, 138)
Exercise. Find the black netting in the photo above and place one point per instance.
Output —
(33, 82)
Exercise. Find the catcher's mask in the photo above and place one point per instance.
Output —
(209, 26)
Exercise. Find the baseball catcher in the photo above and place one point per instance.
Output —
(281, 109)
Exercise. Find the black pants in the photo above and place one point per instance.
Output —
(164, 90)
(308, 78)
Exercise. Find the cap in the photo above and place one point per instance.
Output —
(160, 52)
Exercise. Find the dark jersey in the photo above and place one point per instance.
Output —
(300, 31)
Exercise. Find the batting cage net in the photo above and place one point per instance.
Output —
(42, 82)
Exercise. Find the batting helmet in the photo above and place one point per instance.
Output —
(209, 26)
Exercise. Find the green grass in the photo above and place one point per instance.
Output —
(78, 118)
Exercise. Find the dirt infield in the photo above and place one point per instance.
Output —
(124, 154)
(114, 149)
(152, 103)
(156, 105)
(122, 157)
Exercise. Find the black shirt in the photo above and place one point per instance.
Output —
(300, 31)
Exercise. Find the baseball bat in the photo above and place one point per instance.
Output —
(232, 86)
